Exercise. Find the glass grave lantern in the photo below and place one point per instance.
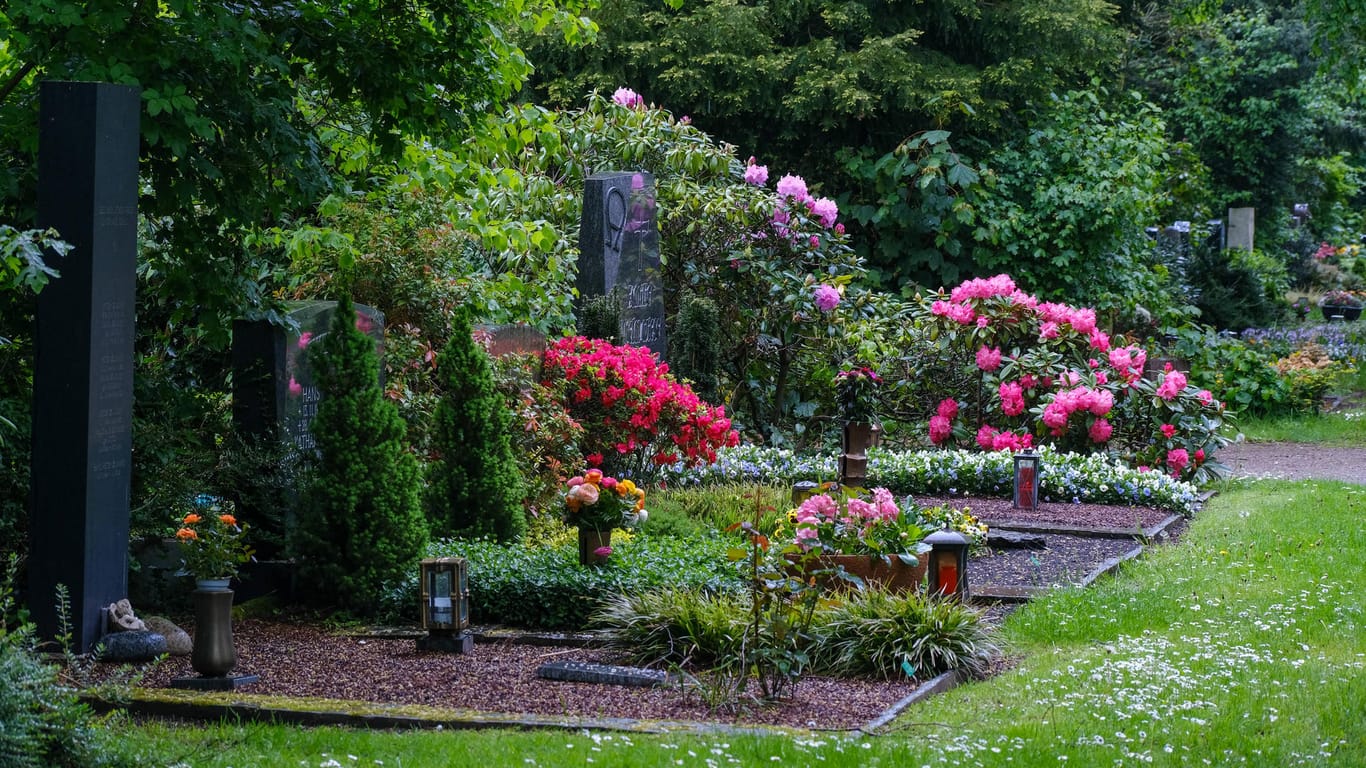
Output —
(1027, 466)
(948, 567)
(445, 605)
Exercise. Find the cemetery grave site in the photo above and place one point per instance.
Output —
(382, 388)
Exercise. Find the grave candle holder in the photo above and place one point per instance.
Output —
(1026, 485)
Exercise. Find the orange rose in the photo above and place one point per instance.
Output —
(228, 520)
(192, 518)
(593, 476)
(186, 534)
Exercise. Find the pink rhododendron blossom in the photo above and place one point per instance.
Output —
(1048, 330)
(627, 98)
(979, 288)
(295, 388)
(1055, 417)
(941, 429)
(988, 358)
(814, 241)
(1204, 396)
(1102, 400)
(793, 187)
(1083, 320)
(948, 408)
(1099, 340)
(1009, 441)
(304, 339)
(826, 210)
(986, 437)
(756, 174)
(983, 322)
(827, 297)
(1012, 398)
(1171, 385)
(1177, 459)
(1199, 455)
(839, 229)
(1100, 430)
(1168, 431)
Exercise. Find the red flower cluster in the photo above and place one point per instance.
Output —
(626, 401)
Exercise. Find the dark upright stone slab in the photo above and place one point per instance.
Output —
(83, 354)
(274, 394)
(619, 250)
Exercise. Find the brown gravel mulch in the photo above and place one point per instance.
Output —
(301, 660)
(304, 660)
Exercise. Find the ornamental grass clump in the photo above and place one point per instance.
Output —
(871, 633)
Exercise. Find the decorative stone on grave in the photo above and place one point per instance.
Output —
(83, 355)
(606, 674)
(619, 251)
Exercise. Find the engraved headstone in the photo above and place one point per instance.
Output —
(274, 393)
(619, 250)
(510, 339)
(83, 355)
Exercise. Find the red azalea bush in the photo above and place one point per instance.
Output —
(1049, 374)
(633, 412)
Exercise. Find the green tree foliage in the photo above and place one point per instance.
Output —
(1071, 196)
(784, 78)
(360, 525)
(474, 487)
(253, 112)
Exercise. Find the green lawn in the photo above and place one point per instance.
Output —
(1333, 429)
(1245, 644)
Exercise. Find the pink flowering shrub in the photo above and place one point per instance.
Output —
(1046, 373)
(633, 413)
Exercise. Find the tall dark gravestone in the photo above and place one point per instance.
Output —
(619, 251)
(83, 355)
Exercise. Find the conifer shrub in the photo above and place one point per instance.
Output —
(600, 317)
(360, 523)
(474, 487)
(696, 344)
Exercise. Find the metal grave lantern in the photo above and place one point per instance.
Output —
(948, 566)
(1027, 466)
(445, 606)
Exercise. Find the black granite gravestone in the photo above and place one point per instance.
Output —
(619, 249)
(273, 390)
(83, 355)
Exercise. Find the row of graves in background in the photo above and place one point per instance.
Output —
(84, 334)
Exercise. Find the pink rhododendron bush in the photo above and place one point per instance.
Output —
(634, 414)
(1046, 373)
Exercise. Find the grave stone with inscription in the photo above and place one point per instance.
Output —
(619, 255)
(274, 394)
(510, 339)
(83, 355)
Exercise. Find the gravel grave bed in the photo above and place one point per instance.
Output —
(305, 660)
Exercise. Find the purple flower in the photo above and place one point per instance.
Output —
(602, 551)
(793, 186)
(627, 98)
(825, 209)
(756, 174)
(827, 297)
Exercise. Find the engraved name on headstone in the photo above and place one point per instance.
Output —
(619, 249)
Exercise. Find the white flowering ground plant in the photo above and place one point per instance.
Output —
(1065, 477)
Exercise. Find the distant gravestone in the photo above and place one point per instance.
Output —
(510, 339)
(619, 251)
(1242, 224)
(274, 394)
(83, 355)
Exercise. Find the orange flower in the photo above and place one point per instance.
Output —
(186, 534)
(228, 520)
(192, 518)
(593, 476)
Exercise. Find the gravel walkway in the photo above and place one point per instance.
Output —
(1295, 461)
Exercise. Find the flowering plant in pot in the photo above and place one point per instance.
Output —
(596, 504)
(856, 389)
(212, 543)
(1346, 299)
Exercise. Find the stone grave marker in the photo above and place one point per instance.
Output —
(83, 355)
(1242, 224)
(619, 251)
(274, 394)
(510, 339)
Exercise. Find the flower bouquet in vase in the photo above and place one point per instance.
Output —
(597, 504)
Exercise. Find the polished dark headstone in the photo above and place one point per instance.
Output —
(619, 251)
(83, 355)
(610, 674)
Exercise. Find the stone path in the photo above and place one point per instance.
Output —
(1295, 461)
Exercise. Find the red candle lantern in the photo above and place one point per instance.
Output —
(948, 567)
(1027, 465)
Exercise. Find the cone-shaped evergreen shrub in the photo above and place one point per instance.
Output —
(360, 524)
(475, 488)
